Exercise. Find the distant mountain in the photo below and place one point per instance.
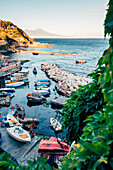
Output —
(40, 33)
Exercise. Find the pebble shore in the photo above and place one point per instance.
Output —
(66, 81)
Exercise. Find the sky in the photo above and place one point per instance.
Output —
(77, 18)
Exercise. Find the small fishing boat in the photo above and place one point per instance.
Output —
(13, 121)
(43, 88)
(18, 79)
(11, 157)
(53, 146)
(20, 110)
(44, 93)
(34, 70)
(21, 74)
(14, 84)
(19, 134)
(34, 53)
(55, 124)
(78, 61)
(0, 138)
(44, 83)
(43, 80)
(5, 94)
(35, 98)
(7, 90)
(12, 110)
(5, 101)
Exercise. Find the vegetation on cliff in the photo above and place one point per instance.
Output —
(12, 36)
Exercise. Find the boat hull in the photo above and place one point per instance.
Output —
(15, 84)
(19, 134)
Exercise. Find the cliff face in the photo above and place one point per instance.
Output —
(12, 37)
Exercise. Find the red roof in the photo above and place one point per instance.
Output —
(53, 145)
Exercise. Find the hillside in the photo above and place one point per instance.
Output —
(40, 33)
(11, 36)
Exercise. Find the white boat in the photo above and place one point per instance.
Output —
(13, 121)
(14, 84)
(7, 89)
(55, 124)
(42, 92)
(43, 88)
(19, 134)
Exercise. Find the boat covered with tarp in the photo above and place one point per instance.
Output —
(53, 146)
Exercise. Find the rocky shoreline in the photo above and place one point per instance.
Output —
(66, 81)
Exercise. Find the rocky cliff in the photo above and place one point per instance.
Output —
(12, 37)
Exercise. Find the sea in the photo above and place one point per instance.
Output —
(83, 49)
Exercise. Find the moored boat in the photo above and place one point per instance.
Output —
(78, 61)
(35, 98)
(20, 110)
(7, 89)
(42, 88)
(34, 70)
(0, 138)
(19, 134)
(44, 92)
(12, 110)
(14, 84)
(12, 121)
(44, 83)
(55, 124)
(34, 53)
(53, 146)
(5, 94)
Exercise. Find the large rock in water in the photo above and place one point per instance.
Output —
(29, 121)
(66, 81)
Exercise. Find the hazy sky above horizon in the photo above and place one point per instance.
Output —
(78, 18)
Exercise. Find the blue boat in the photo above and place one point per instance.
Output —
(43, 80)
(5, 94)
(0, 138)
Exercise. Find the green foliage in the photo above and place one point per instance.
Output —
(37, 164)
(81, 104)
(109, 20)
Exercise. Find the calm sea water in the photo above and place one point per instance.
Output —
(86, 49)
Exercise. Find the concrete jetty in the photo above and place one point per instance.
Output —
(66, 81)
(21, 151)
